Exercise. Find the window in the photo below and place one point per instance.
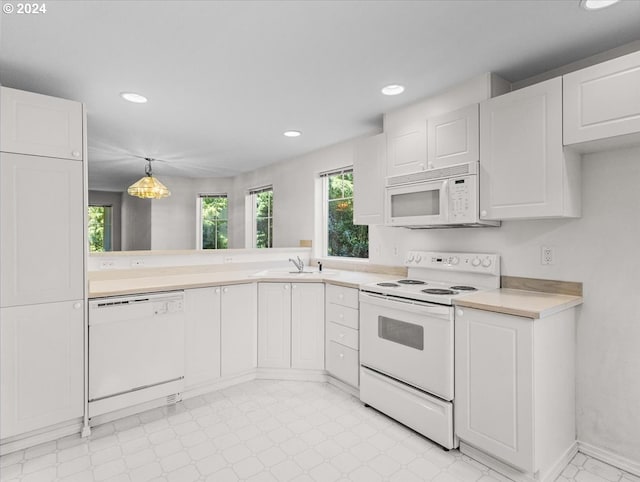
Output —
(100, 229)
(260, 213)
(214, 221)
(341, 237)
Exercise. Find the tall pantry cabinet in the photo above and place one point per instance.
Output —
(42, 254)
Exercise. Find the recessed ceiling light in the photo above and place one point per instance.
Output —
(393, 89)
(292, 133)
(596, 4)
(133, 97)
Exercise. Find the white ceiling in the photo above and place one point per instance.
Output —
(225, 78)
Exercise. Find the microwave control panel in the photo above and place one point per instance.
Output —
(462, 197)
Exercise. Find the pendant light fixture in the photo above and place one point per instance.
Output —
(149, 187)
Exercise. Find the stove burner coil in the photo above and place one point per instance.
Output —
(439, 291)
(411, 282)
(389, 285)
(464, 288)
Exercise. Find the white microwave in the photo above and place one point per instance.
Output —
(437, 198)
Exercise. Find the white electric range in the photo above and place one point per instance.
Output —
(406, 338)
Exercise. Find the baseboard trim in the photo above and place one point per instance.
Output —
(38, 437)
(610, 458)
(550, 474)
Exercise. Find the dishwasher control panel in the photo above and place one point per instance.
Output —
(168, 306)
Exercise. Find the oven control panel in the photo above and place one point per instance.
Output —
(488, 263)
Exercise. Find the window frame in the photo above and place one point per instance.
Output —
(251, 217)
(199, 219)
(108, 226)
(324, 221)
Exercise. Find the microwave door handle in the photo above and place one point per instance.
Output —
(444, 201)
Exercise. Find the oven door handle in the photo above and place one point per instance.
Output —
(414, 306)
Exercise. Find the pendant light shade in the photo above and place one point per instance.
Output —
(148, 187)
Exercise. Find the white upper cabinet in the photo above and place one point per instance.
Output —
(406, 145)
(202, 335)
(524, 171)
(369, 166)
(40, 125)
(238, 336)
(453, 138)
(602, 102)
(41, 366)
(41, 229)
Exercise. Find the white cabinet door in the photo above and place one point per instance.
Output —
(406, 146)
(202, 335)
(238, 328)
(41, 366)
(494, 384)
(41, 229)
(274, 325)
(453, 138)
(603, 100)
(369, 165)
(307, 325)
(524, 173)
(40, 125)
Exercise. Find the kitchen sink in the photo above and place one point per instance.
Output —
(289, 273)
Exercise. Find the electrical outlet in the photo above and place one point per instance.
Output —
(108, 264)
(395, 251)
(137, 263)
(228, 259)
(546, 255)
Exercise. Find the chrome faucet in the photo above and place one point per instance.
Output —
(299, 264)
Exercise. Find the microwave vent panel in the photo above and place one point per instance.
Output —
(432, 174)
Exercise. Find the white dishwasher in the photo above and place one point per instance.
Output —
(136, 350)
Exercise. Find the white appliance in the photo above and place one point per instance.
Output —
(136, 350)
(436, 198)
(407, 338)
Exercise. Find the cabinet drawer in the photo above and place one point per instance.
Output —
(343, 335)
(342, 296)
(342, 315)
(343, 363)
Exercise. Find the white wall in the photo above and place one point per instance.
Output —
(173, 219)
(136, 223)
(293, 194)
(600, 249)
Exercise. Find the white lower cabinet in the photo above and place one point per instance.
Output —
(238, 335)
(342, 334)
(202, 335)
(514, 389)
(307, 326)
(291, 325)
(41, 366)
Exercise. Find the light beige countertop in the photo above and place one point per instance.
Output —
(170, 279)
(529, 304)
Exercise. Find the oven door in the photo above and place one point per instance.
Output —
(418, 204)
(411, 341)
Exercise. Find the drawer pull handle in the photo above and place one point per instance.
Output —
(341, 335)
(75, 154)
(341, 355)
(341, 316)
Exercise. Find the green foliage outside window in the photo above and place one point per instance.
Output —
(264, 219)
(99, 228)
(344, 238)
(214, 222)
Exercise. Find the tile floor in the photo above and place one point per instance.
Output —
(264, 430)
